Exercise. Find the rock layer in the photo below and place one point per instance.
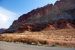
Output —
(61, 15)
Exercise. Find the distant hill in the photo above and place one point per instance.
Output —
(2, 30)
(61, 15)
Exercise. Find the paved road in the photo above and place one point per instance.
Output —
(21, 46)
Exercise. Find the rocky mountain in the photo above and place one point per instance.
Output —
(61, 15)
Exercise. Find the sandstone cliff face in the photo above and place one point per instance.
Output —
(58, 16)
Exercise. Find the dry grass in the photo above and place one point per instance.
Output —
(63, 37)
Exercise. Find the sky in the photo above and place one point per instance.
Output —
(10, 10)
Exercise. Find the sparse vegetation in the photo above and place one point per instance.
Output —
(63, 37)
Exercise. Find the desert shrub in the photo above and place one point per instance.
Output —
(43, 42)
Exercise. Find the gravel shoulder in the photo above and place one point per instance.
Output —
(21, 46)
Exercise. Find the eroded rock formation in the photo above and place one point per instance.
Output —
(61, 15)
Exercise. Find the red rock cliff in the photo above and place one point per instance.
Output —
(58, 16)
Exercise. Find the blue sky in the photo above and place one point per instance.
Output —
(10, 10)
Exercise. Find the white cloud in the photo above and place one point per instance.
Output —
(6, 17)
(3, 17)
